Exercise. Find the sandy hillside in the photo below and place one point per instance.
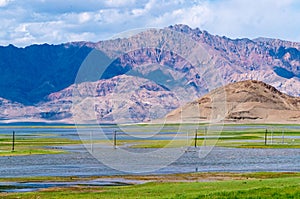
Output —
(242, 102)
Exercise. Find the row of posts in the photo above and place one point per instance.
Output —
(196, 138)
(205, 132)
(115, 138)
(266, 137)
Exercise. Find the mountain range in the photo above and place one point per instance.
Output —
(137, 78)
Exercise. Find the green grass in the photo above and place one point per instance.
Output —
(262, 124)
(30, 152)
(258, 185)
(29, 145)
(178, 176)
(225, 189)
(246, 138)
(255, 138)
(226, 139)
(159, 144)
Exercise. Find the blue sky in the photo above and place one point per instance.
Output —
(25, 22)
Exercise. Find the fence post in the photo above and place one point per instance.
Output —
(13, 141)
(205, 134)
(115, 139)
(196, 138)
(266, 136)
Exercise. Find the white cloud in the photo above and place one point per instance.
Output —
(81, 36)
(84, 17)
(119, 3)
(138, 12)
(55, 21)
(4, 3)
(197, 16)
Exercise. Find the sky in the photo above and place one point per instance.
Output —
(26, 22)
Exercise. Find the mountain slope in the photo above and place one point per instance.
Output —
(29, 74)
(273, 61)
(247, 101)
(119, 99)
(183, 62)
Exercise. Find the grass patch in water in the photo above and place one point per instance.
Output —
(28, 145)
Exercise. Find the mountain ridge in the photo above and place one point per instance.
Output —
(31, 76)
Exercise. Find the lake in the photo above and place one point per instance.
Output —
(79, 162)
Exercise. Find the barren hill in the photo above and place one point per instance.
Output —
(245, 102)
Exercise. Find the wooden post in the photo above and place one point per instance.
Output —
(266, 136)
(115, 139)
(13, 141)
(92, 141)
(205, 133)
(196, 138)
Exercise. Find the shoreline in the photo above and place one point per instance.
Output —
(41, 184)
(174, 177)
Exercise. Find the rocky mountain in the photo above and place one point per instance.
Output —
(247, 101)
(120, 99)
(273, 61)
(158, 71)
(29, 74)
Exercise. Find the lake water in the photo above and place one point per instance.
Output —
(219, 159)
(79, 162)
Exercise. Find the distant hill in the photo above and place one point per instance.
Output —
(247, 101)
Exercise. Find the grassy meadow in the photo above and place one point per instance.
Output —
(195, 185)
(32, 144)
(278, 136)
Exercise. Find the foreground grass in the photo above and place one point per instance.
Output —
(280, 188)
(252, 185)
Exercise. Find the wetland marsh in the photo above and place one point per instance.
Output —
(62, 152)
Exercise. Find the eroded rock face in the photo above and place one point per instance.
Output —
(37, 80)
(273, 61)
(119, 99)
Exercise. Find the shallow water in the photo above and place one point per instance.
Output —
(79, 162)
(10, 187)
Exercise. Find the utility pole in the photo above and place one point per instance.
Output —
(196, 138)
(115, 139)
(13, 141)
(92, 141)
(205, 134)
(266, 136)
